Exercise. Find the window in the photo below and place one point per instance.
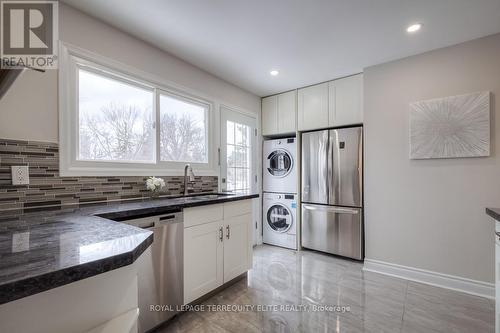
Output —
(183, 130)
(239, 165)
(116, 120)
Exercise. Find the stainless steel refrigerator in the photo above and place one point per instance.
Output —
(332, 191)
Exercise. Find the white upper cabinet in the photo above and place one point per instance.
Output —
(330, 104)
(270, 115)
(346, 101)
(287, 112)
(279, 113)
(313, 107)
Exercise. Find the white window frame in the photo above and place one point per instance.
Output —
(70, 61)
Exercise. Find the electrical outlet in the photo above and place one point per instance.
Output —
(20, 242)
(20, 175)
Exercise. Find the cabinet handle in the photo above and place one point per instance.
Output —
(221, 234)
(228, 232)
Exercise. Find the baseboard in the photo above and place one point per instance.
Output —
(474, 287)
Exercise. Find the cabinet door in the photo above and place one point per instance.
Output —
(313, 107)
(203, 259)
(287, 112)
(237, 241)
(270, 115)
(346, 101)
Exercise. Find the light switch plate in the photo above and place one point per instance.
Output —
(20, 175)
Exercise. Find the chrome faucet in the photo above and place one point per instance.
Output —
(187, 169)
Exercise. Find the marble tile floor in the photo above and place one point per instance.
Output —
(309, 284)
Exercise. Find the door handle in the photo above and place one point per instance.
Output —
(221, 234)
(332, 209)
(228, 232)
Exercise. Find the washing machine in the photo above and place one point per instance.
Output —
(280, 219)
(280, 166)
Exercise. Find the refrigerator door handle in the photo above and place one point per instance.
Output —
(330, 188)
(325, 166)
(338, 210)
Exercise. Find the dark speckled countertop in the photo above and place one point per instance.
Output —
(494, 213)
(50, 248)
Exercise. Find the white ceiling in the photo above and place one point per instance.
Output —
(308, 41)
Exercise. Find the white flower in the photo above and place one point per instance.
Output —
(154, 184)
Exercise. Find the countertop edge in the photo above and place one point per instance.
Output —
(22, 288)
(221, 200)
(494, 213)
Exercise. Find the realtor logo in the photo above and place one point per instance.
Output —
(29, 34)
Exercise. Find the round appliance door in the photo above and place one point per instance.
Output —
(279, 218)
(279, 163)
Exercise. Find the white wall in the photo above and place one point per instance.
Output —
(29, 109)
(429, 214)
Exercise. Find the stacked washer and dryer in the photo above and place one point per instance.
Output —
(280, 192)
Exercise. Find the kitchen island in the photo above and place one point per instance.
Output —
(78, 258)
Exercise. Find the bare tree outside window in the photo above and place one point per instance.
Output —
(117, 132)
(116, 123)
(115, 120)
(182, 131)
(238, 156)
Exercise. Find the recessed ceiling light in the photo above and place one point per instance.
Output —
(274, 72)
(414, 27)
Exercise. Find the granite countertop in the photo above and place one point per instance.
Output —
(494, 213)
(50, 248)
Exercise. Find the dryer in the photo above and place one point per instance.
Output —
(280, 166)
(280, 219)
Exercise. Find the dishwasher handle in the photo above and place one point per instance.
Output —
(170, 218)
(148, 227)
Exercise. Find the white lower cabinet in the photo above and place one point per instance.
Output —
(236, 246)
(216, 252)
(203, 259)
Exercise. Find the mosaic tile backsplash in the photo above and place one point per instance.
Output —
(48, 189)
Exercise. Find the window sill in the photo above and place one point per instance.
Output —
(106, 172)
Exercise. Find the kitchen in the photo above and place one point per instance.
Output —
(170, 176)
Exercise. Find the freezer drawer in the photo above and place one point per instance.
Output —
(336, 230)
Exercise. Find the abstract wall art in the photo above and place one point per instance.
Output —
(450, 127)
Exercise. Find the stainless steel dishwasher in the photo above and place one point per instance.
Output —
(160, 269)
